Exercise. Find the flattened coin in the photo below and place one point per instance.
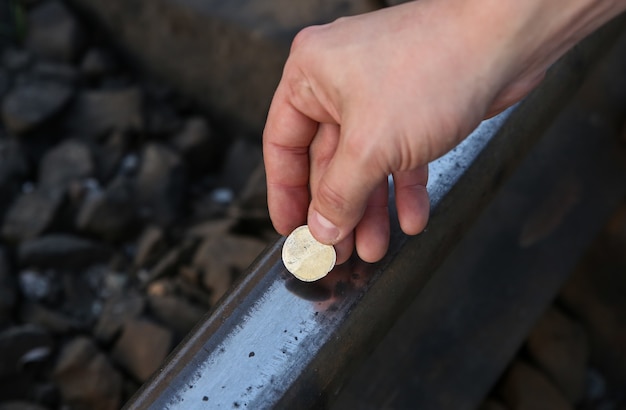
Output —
(305, 257)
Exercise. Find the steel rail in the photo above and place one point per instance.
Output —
(275, 342)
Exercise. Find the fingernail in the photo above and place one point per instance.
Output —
(326, 231)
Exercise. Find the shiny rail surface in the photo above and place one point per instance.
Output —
(276, 342)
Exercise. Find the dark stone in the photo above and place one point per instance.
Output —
(52, 71)
(95, 114)
(109, 214)
(195, 292)
(142, 348)
(30, 105)
(251, 203)
(62, 251)
(97, 63)
(559, 346)
(31, 214)
(213, 228)
(53, 321)
(594, 294)
(526, 388)
(197, 144)
(222, 259)
(242, 160)
(171, 261)
(13, 168)
(81, 294)
(53, 32)
(86, 378)
(110, 155)
(151, 243)
(175, 312)
(8, 289)
(227, 55)
(17, 60)
(160, 184)
(5, 82)
(22, 345)
(20, 405)
(117, 310)
(491, 404)
(70, 161)
(162, 120)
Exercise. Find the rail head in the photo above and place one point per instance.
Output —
(274, 341)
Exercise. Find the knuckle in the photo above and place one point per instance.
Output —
(303, 38)
(331, 200)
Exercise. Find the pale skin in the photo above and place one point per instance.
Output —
(387, 92)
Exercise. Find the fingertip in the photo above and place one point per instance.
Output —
(412, 201)
(323, 229)
(413, 210)
(373, 231)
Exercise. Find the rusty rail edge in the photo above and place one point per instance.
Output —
(275, 342)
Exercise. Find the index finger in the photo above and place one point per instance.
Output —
(286, 139)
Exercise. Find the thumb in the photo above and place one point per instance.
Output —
(340, 196)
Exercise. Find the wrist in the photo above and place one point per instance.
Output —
(533, 34)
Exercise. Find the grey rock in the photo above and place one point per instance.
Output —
(30, 105)
(142, 348)
(117, 310)
(62, 251)
(526, 388)
(8, 289)
(20, 345)
(151, 243)
(160, 184)
(53, 321)
(223, 259)
(44, 286)
(227, 55)
(53, 32)
(81, 294)
(95, 114)
(560, 348)
(86, 378)
(109, 214)
(97, 63)
(70, 161)
(175, 312)
(31, 214)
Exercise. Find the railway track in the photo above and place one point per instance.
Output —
(452, 305)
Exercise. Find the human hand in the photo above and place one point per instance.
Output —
(387, 92)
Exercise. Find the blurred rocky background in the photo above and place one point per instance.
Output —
(125, 213)
(132, 192)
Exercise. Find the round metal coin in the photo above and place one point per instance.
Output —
(305, 257)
